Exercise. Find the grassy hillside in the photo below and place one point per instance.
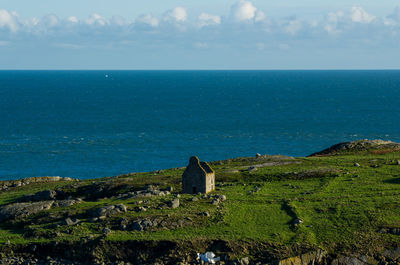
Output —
(345, 202)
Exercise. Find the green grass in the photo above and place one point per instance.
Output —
(337, 202)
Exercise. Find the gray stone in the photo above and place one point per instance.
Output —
(195, 199)
(122, 208)
(141, 209)
(137, 226)
(215, 202)
(244, 261)
(45, 195)
(147, 223)
(392, 254)
(298, 221)
(174, 203)
(398, 162)
(356, 165)
(108, 210)
(252, 168)
(106, 230)
(16, 211)
(66, 203)
(69, 221)
(258, 155)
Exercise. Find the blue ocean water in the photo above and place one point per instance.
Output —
(89, 124)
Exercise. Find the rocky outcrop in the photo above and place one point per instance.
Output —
(18, 211)
(361, 145)
(5, 185)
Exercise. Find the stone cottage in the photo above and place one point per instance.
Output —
(198, 177)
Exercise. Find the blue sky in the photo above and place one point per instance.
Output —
(207, 34)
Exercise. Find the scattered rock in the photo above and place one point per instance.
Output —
(215, 202)
(207, 214)
(222, 198)
(392, 254)
(68, 221)
(141, 209)
(137, 226)
(108, 210)
(146, 224)
(252, 168)
(356, 165)
(66, 203)
(106, 230)
(174, 203)
(244, 261)
(258, 155)
(398, 162)
(297, 222)
(195, 199)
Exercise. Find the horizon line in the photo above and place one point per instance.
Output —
(222, 69)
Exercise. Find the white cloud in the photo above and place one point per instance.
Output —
(293, 26)
(147, 20)
(9, 20)
(260, 16)
(72, 19)
(96, 19)
(332, 23)
(174, 27)
(119, 21)
(49, 21)
(243, 11)
(178, 14)
(358, 14)
(208, 20)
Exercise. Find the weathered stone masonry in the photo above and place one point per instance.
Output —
(198, 177)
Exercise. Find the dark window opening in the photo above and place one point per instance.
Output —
(194, 190)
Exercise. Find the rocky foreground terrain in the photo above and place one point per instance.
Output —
(338, 206)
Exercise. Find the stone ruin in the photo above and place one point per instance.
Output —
(198, 177)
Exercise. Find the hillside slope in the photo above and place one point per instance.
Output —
(330, 208)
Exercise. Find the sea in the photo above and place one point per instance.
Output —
(90, 124)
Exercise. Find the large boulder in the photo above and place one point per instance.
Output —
(45, 195)
(108, 210)
(18, 211)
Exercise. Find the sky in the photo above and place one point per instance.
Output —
(192, 34)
